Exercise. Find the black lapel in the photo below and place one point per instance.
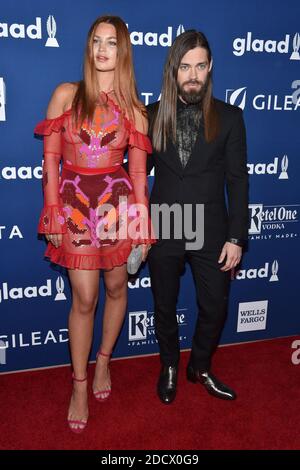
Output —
(171, 158)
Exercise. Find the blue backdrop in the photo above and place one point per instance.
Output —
(256, 66)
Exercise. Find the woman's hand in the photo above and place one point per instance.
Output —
(145, 249)
(54, 238)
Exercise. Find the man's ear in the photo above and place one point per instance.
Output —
(210, 65)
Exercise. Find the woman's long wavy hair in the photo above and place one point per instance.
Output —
(86, 96)
(164, 125)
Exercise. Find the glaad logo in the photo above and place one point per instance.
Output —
(252, 316)
(139, 38)
(262, 273)
(21, 172)
(51, 30)
(15, 293)
(2, 100)
(32, 31)
(243, 45)
(270, 168)
(144, 282)
(261, 102)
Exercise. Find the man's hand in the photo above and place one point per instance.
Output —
(233, 255)
(55, 239)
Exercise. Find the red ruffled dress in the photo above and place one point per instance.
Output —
(98, 207)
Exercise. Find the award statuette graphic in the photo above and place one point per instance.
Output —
(60, 289)
(51, 29)
(2, 100)
(284, 166)
(296, 45)
(180, 30)
(274, 276)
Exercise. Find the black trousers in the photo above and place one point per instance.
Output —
(166, 263)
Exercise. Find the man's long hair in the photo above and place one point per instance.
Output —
(164, 125)
(124, 79)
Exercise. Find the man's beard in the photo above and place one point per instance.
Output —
(193, 96)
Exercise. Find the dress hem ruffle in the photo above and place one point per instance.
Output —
(87, 262)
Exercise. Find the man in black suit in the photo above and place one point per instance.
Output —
(199, 151)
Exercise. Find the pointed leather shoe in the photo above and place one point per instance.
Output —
(211, 383)
(167, 384)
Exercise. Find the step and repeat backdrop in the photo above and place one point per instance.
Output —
(256, 51)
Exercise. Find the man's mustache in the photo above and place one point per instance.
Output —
(192, 82)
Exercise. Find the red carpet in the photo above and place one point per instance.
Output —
(265, 415)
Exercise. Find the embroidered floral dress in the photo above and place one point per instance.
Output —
(91, 179)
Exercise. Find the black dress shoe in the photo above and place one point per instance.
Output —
(211, 383)
(167, 383)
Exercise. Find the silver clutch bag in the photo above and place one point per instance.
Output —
(135, 259)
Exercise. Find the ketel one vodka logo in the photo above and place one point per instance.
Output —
(138, 325)
(271, 217)
(2, 100)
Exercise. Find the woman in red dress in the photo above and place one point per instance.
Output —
(90, 125)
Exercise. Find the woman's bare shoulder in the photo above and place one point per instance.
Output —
(61, 99)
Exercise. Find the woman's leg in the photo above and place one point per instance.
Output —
(85, 292)
(114, 312)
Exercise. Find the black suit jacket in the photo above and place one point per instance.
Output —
(212, 169)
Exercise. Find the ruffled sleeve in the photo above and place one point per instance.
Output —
(52, 219)
(140, 141)
(47, 126)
